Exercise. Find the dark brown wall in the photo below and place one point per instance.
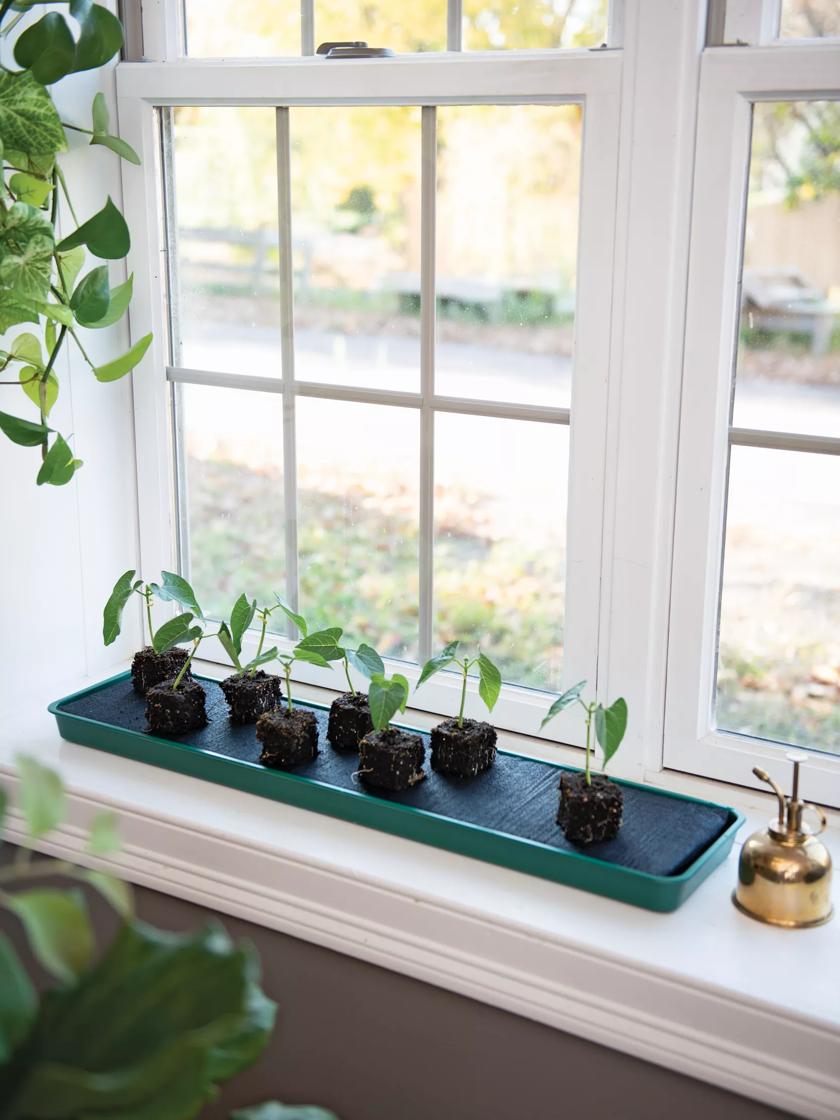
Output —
(374, 1045)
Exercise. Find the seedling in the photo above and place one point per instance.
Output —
(489, 682)
(610, 723)
(231, 635)
(386, 696)
(173, 588)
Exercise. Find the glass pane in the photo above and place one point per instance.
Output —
(788, 366)
(358, 520)
(356, 234)
(500, 541)
(810, 19)
(419, 26)
(507, 235)
(226, 309)
(231, 445)
(534, 24)
(242, 28)
(779, 662)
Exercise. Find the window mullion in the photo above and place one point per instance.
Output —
(454, 25)
(428, 190)
(287, 331)
(307, 27)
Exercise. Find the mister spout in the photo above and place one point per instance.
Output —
(763, 776)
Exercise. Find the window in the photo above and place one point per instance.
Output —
(376, 316)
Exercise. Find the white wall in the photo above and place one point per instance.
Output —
(61, 548)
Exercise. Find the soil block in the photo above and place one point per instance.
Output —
(176, 711)
(463, 751)
(589, 813)
(391, 759)
(250, 696)
(149, 668)
(349, 721)
(288, 738)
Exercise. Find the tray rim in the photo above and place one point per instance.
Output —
(725, 838)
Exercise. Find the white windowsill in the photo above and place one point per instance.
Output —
(704, 991)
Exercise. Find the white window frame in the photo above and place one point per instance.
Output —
(589, 78)
(731, 80)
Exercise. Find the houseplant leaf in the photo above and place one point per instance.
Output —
(14, 310)
(100, 39)
(28, 270)
(489, 681)
(105, 234)
(59, 466)
(241, 618)
(120, 299)
(312, 656)
(178, 629)
(567, 698)
(104, 834)
(366, 660)
(386, 697)
(115, 892)
(41, 797)
(263, 659)
(297, 619)
(176, 589)
(438, 662)
(23, 432)
(47, 49)
(324, 642)
(92, 296)
(29, 188)
(99, 115)
(112, 614)
(610, 725)
(113, 371)
(28, 118)
(18, 1001)
(229, 645)
(30, 382)
(117, 145)
(58, 928)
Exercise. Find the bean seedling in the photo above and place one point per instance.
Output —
(489, 682)
(232, 633)
(173, 588)
(610, 723)
(386, 696)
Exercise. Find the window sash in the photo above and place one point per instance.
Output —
(731, 80)
(590, 78)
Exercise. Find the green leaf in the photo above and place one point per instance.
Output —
(176, 589)
(263, 659)
(489, 682)
(30, 382)
(47, 49)
(92, 296)
(324, 642)
(568, 697)
(117, 145)
(386, 697)
(312, 656)
(176, 630)
(49, 335)
(23, 432)
(241, 618)
(29, 188)
(28, 118)
(113, 371)
(100, 40)
(27, 347)
(610, 725)
(273, 1110)
(438, 662)
(104, 834)
(18, 1001)
(56, 312)
(366, 660)
(105, 234)
(42, 799)
(112, 614)
(14, 310)
(229, 645)
(115, 892)
(100, 117)
(4, 801)
(59, 466)
(297, 619)
(58, 928)
(70, 265)
(120, 299)
(239, 1051)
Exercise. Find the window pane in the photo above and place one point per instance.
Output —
(356, 234)
(788, 368)
(419, 26)
(533, 24)
(242, 28)
(232, 494)
(500, 541)
(507, 234)
(226, 309)
(358, 520)
(810, 19)
(779, 660)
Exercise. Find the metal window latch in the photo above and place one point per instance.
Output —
(357, 49)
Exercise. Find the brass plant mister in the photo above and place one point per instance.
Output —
(784, 873)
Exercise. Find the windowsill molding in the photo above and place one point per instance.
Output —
(704, 991)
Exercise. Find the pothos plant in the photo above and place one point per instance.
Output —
(610, 723)
(489, 677)
(43, 275)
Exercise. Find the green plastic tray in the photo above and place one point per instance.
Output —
(506, 849)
